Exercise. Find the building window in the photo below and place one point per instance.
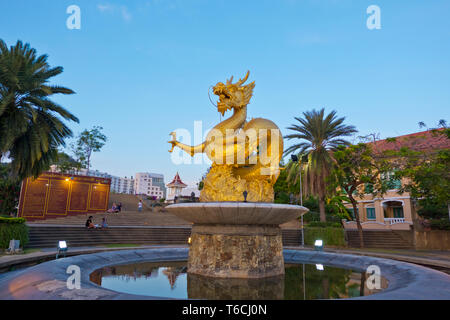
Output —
(368, 188)
(391, 182)
(371, 214)
(352, 213)
(398, 212)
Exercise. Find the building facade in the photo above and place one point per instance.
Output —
(150, 184)
(175, 188)
(394, 210)
(122, 185)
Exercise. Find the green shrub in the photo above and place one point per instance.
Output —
(442, 224)
(315, 216)
(9, 191)
(330, 236)
(15, 229)
(319, 224)
(12, 220)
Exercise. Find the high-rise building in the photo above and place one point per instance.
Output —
(122, 185)
(150, 184)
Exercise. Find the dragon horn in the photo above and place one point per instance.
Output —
(230, 81)
(242, 81)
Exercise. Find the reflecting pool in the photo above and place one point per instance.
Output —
(170, 280)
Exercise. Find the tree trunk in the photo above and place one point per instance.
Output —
(362, 284)
(358, 222)
(323, 217)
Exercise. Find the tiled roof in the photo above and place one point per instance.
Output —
(430, 140)
(176, 182)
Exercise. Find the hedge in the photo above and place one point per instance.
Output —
(12, 220)
(13, 228)
(330, 236)
(327, 224)
(442, 224)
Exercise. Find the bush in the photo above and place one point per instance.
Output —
(313, 216)
(319, 224)
(13, 228)
(330, 236)
(442, 224)
(12, 220)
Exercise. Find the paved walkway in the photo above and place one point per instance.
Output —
(8, 261)
(439, 259)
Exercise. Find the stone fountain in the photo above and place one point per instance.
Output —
(233, 238)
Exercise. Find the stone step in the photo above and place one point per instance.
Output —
(48, 236)
(381, 239)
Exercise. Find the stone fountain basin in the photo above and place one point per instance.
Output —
(237, 213)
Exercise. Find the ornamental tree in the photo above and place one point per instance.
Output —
(356, 166)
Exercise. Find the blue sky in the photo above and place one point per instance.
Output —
(143, 68)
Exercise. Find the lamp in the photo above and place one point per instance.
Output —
(62, 248)
(318, 245)
(319, 267)
(189, 241)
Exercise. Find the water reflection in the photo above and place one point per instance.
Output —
(171, 280)
(200, 287)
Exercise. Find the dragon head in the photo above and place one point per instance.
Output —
(233, 95)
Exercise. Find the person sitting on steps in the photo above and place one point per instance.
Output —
(89, 223)
(114, 208)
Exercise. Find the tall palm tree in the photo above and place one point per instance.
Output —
(31, 128)
(319, 136)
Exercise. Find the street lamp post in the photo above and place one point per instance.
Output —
(296, 159)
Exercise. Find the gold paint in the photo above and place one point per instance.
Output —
(237, 162)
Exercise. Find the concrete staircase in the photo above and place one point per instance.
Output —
(292, 237)
(47, 236)
(381, 239)
(125, 218)
(129, 201)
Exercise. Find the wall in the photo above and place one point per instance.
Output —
(434, 239)
(58, 195)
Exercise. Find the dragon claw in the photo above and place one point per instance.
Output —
(173, 142)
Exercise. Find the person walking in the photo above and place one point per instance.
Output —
(140, 206)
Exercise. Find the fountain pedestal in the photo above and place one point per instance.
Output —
(236, 240)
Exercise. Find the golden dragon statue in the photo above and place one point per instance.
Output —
(245, 155)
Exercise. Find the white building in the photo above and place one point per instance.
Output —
(122, 185)
(175, 188)
(150, 184)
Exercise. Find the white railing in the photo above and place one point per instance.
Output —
(392, 221)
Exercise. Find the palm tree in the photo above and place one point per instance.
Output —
(31, 129)
(319, 136)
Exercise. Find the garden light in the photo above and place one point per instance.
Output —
(62, 248)
(318, 245)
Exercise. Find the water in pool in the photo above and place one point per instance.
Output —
(170, 280)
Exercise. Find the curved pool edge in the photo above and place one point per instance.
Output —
(47, 281)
